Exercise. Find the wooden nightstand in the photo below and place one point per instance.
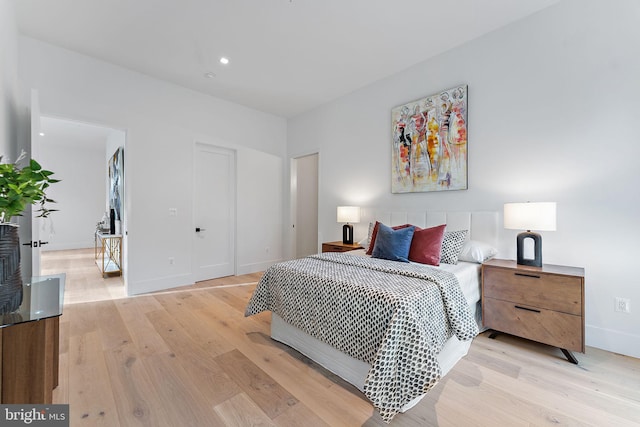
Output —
(544, 304)
(339, 247)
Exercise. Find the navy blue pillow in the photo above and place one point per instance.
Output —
(393, 244)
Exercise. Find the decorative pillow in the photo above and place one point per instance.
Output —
(452, 246)
(393, 244)
(475, 251)
(374, 234)
(365, 242)
(426, 245)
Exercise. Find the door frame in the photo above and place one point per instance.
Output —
(27, 232)
(125, 201)
(234, 202)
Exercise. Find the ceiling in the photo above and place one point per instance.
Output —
(286, 56)
(76, 135)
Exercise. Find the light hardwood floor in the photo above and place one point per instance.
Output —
(83, 281)
(191, 358)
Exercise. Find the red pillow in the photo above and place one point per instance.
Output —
(426, 245)
(374, 233)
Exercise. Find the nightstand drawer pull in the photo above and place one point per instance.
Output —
(534, 276)
(528, 309)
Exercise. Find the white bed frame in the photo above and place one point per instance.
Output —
(483, 226)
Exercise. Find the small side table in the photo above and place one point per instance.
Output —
(339, 247)
(108, 253)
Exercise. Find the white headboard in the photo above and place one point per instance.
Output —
(482, 225)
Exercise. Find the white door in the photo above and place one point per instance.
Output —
(36, 223)
(29, 224)
(214, 212)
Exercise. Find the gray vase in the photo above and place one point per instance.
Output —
(10, 275)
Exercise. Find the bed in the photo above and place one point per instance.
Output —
(366, 330)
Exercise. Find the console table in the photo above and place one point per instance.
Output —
(108, 252)
(29, 343)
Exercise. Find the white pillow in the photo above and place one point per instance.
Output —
(475, 251)
(367, 240)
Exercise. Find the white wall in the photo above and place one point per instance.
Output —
(14, 124)
(162, 123)
(79, 196)
(553, 113)
(260, 217)
(8, 81)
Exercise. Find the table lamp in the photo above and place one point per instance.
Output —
(528, 216)
(348, 214)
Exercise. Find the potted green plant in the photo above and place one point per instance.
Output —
(19, 187)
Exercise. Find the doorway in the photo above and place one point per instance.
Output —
(304, 175)
(78, 153)
(214, 212)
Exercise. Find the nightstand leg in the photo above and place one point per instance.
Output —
(570, 356)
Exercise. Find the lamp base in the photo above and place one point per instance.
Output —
(537, 249)
(347, 234)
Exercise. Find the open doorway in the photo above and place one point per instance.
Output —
(304, 176)
(79, 154)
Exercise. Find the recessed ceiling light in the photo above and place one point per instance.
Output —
(209, 75)
(41, 133)
(224, 60)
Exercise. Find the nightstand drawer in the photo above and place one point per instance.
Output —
(333, 248)
(545, 326)
(339, 247)
(538, 289)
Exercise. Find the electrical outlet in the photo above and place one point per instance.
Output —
(172, 260)
(173, 212)
(622, 305)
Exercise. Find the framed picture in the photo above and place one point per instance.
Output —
(429, 143)
(116, 183)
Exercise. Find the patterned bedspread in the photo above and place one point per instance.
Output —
(394, 316)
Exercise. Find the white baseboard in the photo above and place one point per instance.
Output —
(68, 246)
(614, 341)
(169, 282)
(159, 284)
(255, 267)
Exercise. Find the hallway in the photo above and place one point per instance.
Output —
(83, 282)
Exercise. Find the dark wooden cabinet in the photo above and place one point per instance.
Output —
(544, 304)
(30, 343)
(30, 361)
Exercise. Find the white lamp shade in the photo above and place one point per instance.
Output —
(349, 214)
(539, 216)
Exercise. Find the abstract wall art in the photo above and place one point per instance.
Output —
(429, 143)
(116, 182)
